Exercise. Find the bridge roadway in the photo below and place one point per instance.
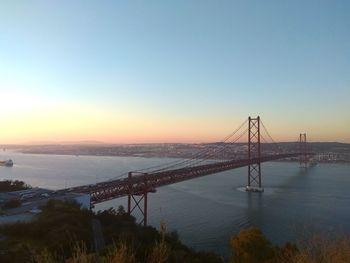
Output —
(108, 190)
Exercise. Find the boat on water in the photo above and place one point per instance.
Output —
(8, 163)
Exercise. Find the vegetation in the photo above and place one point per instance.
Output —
(323, 250)
(250, 246)
(55, 230)
(62, 233)
(10, 186)
(11, 204)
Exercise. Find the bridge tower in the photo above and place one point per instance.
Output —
(254, 155)
(303, 158)
(136, 196)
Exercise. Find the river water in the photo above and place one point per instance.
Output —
(206, 211)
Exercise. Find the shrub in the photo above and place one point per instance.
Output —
(12, 204)
(10, 186)
(250, 246)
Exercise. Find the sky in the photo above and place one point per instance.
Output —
(173, 71)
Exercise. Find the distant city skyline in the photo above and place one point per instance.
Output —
(174, 71)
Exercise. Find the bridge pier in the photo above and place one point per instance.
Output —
(254, 155)
(303, 157)
(136, 196)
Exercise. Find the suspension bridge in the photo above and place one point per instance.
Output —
(136, 185)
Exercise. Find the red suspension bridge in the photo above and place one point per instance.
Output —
(138, 184)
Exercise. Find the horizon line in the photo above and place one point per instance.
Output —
(145, 143)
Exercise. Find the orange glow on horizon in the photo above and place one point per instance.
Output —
(28, 120)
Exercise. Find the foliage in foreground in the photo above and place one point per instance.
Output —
(250, 246)
(63, 234)
(13, 203)
(10, 186)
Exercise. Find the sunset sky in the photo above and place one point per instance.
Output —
(173, 71)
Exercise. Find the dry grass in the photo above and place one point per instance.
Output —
(160, 251)
(319, 249)
(43, 257)
(80, 254)
(120, 254)
(322, 249)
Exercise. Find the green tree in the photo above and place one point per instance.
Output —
(250, 246)
(286, 252)
(10, 186)
(13, 203)
(62, 233)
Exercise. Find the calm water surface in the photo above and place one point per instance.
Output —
(207, 211)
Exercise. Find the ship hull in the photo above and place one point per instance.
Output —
(7, 163)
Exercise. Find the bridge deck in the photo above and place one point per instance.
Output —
(117, 188)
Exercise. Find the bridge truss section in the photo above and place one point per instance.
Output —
(137, 194)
